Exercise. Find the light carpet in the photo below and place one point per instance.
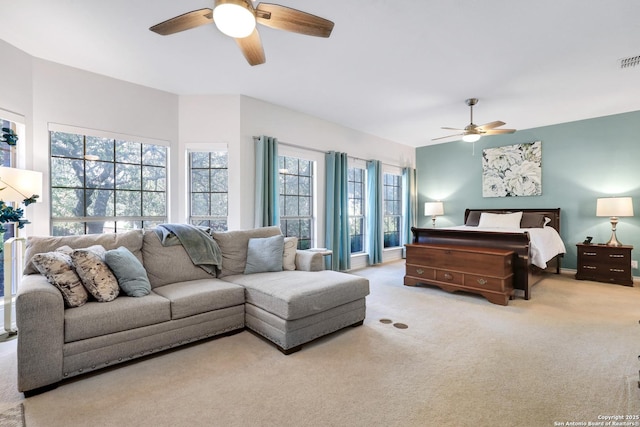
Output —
(570, 354)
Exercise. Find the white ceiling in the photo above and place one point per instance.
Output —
(398, 69)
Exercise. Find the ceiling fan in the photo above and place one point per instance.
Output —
(238, 18)
(473, 132)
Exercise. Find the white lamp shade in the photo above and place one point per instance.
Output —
(614, 206)
(19, 184)
(433, 208)
(234, 18)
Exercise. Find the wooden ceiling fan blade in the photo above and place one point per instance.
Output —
(452, 129)
(288, 19)
(251, 48)
(498, 131)
(448, 136)
(492, 125)
(183, 22)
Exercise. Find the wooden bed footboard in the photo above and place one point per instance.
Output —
(525, 274)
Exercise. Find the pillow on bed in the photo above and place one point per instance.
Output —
(492, 220)
(473, 219)
(532, 220)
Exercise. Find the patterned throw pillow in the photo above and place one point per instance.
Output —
(57, 268)
(95, 274)
(289, 255)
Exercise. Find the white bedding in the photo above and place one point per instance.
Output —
(545, 242)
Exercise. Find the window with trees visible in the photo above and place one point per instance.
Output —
(392, 209)
(7, 159)
(209, 183)
(355, 183)
(296, 199)
(101, 185)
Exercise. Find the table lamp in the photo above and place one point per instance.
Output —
(433, 209)
(614, 207)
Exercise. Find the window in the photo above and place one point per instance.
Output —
(296, 199)
(355, 183)
(103, 185)
(209, 186)
(7, 159)
(392, 209)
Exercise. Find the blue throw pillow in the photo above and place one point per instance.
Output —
(131, 275)
(264, 254)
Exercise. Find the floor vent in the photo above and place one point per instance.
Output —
(629, 62)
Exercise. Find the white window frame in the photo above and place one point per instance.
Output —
(360, 164)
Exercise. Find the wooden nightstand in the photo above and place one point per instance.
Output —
(602, 263)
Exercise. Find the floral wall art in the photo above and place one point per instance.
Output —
(513, 170)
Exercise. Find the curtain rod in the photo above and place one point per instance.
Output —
(255, 138)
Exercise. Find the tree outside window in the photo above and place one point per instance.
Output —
(209, 183)
(392, 209)
(103, 185)
(296, 199)
(355, 184)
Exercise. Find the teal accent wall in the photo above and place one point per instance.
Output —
(581, 161)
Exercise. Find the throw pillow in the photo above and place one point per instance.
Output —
(57, 268)
(264, 254)
(473, 219)
(289, 254)
(131, 275)
(234, 244)
(532, 220)
(96, 276)
(491, 220)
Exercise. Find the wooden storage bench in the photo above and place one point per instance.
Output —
(484, 271)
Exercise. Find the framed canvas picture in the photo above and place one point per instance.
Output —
(512, 170)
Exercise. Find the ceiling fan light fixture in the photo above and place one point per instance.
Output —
(234, 18)
(471, 137)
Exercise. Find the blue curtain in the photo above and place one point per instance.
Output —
(267, 182)
(374, 211)
(409, 205)
(337, 211)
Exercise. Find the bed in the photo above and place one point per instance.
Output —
(532, 256)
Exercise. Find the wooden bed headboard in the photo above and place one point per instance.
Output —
(553, 214)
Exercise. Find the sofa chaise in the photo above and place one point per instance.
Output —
(289, 307)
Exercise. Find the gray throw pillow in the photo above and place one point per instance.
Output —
(131, 275)
(264, 254)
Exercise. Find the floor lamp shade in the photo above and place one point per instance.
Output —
(614, 207)
(19, 184)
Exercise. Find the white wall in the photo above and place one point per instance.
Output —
(210, 121)
(44, 92)
(292, 127)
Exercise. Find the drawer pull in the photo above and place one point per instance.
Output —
(589, 253)
(448, 276)
(589, 267)
(616, 256)
(420, 271)
(481, 281)
(616, 270)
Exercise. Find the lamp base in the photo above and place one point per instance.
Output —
(613, 241)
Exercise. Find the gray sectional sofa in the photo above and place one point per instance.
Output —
(185, 304)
